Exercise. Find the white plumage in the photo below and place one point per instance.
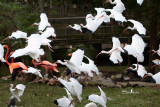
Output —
(75, 61)
(33, 71)
(33, 48)
(91, 105)
(137, 26)
(158, 51)
(19, 34)
(48, 32)
(73, 86)
(65, 102)
(102, 100)
(156, 61)
(17, 92)
(155, 77)
(2, 53)
(141, 70)
(115, 52)
(43, 22)
(76, 27)
(140, 2)
(136, 48)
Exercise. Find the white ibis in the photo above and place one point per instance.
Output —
(91, 105)
(2, 53)
(115, 52)
(154, 78)
(140, 2)
(102, 100)
(73, 86)
(92, 66)
(17, 35)
(65, 102)
(75, 61)
(48, 32)
(140, 72)
(157, 63)
(136, 48)
(43, 22)
(137, 26)
(158, 51)
(117, 16)
(17, 92)
(33, 48)
(33, 71)
(76, 27)
(119, 6)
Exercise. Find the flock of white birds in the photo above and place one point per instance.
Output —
(76, 64)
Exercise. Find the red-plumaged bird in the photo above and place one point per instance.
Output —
(48, 66)
(14, 67)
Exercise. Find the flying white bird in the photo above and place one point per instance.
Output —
(117, 16)
(158, 51)
(157, 63)
(48, 32)
(65, 102)
(73, 86)
(33, 48)
(137, 26)
(91, 105)
(2, 53)
(75, 61)
(76, 27)
(102, 100)
(119, 6)
(140, 72)
(43, 22)
(17, 92)
(136, 48)
(140, 2)
(155, 77)
(17, 35)
(115, 52)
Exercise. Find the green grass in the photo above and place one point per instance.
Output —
(40, 95)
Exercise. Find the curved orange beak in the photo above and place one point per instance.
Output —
(66, 27)
(98, 54)
(5, 38)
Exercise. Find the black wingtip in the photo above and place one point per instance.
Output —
(125, 51)
(55, 102)
(87, 97)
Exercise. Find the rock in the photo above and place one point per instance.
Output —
(6, 77)
(123, 84)
(142, 84)
(117, 77)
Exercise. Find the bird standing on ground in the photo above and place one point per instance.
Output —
(115, 52)
(17, 92)
(137, 26)
(102, 100)
(65, 102)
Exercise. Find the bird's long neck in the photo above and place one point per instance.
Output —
(7, 54)
(34, 63)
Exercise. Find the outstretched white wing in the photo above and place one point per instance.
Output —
(103, 95)
(116, 42)
(77, 57)
(20, 88)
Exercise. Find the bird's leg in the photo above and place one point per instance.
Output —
(50, 49)
(125, 30)
(154, 52)
(137, 65)
(72, 101)
(119, 63)
(122, 25)
(154, 66)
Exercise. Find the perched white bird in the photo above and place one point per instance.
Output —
(119, 6)
(115, 52)
(43, 22)
(140, 2)
(17, 92)
(65, 102)
(75, 61)
(136, 48)
(91, 105)
(158, 51)
(102, 100)
(33, 48)
(117, 16)
(17, 35)
(73, 86)
(154, 78)
(137, 26)
(2, 53)
(141, 70)
(33, 71)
